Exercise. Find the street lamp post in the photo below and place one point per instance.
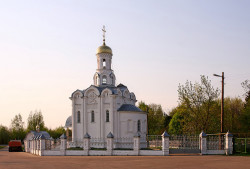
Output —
(222, 102)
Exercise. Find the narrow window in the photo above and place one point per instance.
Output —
(97, 80)
(78, 117)
(92, 116)
(104, 80)
(112, 79)
(138, 125)
(107, 116)
(104, 63)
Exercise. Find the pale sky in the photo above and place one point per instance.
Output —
(47, 50)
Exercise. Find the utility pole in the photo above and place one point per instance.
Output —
(222, 102)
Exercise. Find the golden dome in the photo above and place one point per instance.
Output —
(104, 49)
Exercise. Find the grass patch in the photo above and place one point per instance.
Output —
(123, 149)
(2, 147)
(241, 154)
(152, 148)
(92, 148)
(75, 148)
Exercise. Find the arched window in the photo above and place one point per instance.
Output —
(107, 116)
(139, 125)
(112, 79)
(78, 117)
(92, 116)
(104, 79)
(97, 80)
(104, 63)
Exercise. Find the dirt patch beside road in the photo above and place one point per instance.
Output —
(21, 160)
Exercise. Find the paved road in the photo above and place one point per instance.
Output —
(21, 160)
(5, 148)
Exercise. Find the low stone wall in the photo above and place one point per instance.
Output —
(151, 153)
(215, 152)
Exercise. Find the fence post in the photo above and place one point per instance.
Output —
(32, 145)
(63, 144)
(42, 145)
(165, 143)
(36, 145)
(229, 143)
(110, 139)
(86, 143)
(203, 143)
(137, 143)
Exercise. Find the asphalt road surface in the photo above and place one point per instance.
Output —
(22, 160)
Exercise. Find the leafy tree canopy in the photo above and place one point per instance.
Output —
(35, 119)
(199, 100)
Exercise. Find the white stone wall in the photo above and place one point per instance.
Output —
(128, 123)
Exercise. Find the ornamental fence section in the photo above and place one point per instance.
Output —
(241, 145)
(154, 141)
(154, 145)
(52, 144)
(184, 144)
(215, 141)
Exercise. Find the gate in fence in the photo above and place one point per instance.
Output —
(184, 144)
(241, 145)
(216, 141)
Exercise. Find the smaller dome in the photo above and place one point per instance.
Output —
(104, 49)
(68, 123)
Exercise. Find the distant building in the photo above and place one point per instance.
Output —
(34, 135)
(105, 107)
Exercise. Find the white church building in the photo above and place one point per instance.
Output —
(105, 108)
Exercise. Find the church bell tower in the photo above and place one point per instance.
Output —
(104, 75)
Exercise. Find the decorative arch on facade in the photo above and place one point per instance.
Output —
(77, 94)
(106, 92)
(91, 89)
(126, 93)
(132, 96)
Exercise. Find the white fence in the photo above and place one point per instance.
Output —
(119, 146)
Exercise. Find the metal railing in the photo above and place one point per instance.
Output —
(216, 141)
(241, 145)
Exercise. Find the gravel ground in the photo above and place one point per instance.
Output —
(16, 160)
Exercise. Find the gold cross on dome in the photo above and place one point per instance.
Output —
(104, 31)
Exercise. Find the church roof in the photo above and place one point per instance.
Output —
(104, 49)
(68, 123)
(129, 107)
(121, 86)
(101, 88)
(36, 134)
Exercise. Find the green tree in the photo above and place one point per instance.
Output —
(156, 118)
(245, 118)
(167, 119)
(233, 109)
(35, 119)
(17, 128)
(200, 101)
(4, 135)
(57, 132)
(176, 124)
